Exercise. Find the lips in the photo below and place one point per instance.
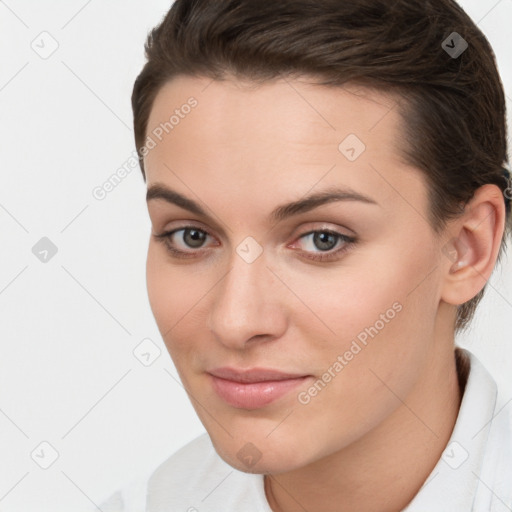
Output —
(253, 388)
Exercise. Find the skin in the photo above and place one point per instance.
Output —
(373, 434)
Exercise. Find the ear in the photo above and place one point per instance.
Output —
(471, 254)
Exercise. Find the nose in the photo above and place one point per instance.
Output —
(246, 305)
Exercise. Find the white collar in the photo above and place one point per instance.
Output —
(473, 473)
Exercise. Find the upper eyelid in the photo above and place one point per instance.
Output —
(310, 230)
(195, 224)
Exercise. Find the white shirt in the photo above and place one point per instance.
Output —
(474, 473)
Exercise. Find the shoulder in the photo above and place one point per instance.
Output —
(132, 497)
(494, 430)
(194, 458)
(195, 478)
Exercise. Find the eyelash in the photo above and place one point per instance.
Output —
(165, 238)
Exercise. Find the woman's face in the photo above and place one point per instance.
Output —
(330, 343)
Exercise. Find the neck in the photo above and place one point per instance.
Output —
(386, 468)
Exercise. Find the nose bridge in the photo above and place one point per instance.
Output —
(244, 304)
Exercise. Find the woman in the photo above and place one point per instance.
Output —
(327, 188)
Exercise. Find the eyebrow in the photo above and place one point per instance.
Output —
(280, 213)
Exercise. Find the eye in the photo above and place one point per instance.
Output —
(186, 241)
(191, 238)
(326, 241)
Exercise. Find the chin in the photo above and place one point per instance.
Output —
(262, 456)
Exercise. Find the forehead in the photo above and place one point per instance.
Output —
(286, 135)
(293, 109)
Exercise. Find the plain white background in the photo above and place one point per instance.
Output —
(69, 326)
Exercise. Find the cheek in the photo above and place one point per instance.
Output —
(380, 316)
(170, 290)
(160, 294)
(178, 297)
(340, 304)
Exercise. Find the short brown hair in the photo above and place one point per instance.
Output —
(453, 108)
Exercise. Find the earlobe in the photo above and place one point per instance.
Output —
(474, 248)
